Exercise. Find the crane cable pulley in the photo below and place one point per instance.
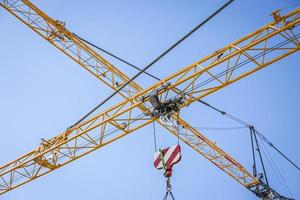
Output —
(165, 159)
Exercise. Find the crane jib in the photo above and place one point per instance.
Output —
(202, 78)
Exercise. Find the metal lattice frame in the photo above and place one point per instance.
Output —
(227, 65)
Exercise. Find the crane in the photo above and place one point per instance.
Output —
(216, 71)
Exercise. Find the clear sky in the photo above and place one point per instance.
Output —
(43, 92)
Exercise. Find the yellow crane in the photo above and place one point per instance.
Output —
(138, 109)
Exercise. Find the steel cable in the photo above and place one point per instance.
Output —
(153, 62)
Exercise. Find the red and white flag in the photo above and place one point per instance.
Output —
(171, 156)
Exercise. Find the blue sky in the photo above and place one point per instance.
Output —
(43, 92)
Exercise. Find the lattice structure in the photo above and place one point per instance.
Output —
(239, 59)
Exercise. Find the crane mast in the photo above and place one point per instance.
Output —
(218, 70)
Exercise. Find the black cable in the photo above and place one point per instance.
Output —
(116, 57)
(201, 101)
(271, 145)
(241, 64)
(154, 136)
(261, 160)
(149, 74)
(242, 122)
(144, 71)
(276, 171)
(245, 123)
(156, 78)
(248, 125)
(153, 62)
(253, 153)
(139, 69)
(256, 131)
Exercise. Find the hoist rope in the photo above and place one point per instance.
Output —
(141, 70)
(177, 127)
(233, 117)
(205, 103)
(154, 136)
(153, 62)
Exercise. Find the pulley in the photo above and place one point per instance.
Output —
(164, 108)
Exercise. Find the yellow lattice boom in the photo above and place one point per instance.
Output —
(225, 66)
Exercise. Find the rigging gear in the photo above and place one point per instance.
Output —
(165, 159)
(29, 14)
(169, 190)
(165, 109)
